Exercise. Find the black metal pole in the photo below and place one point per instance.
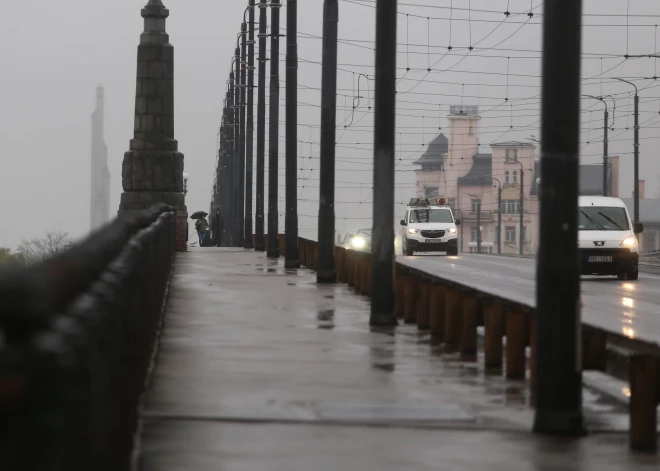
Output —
(273, 126)
(499, 219)
(605, 151)
(326, 249)
(260, 243)
(291, 168)
(522, 208)
(636, 171)
(237, 229)
(382, 256)
(231, 150)
(249, 144)
(479, 225)
(558, 320)
(242, 117)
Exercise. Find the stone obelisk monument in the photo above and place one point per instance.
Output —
(152, 171)
(100, 176)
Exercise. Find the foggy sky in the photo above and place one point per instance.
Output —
(54, 54)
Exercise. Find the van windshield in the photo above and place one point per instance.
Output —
(597, 218)
(430, 215)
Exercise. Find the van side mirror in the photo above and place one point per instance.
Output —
(639, 228)
(457, 222)
(403, 222)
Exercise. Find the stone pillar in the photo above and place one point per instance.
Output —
(152, 171)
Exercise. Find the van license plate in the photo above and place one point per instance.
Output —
(431, 241)
(600, 259)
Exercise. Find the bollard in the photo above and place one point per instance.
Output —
(410, 308)
(400, 293)
(643, 402)
(423, 313)
(357, 281)
(594, 349)
(493, 333)
(350, 268)
(364, 287)
(340, 264)
(468, 344)
(516, 326)
(437, 311)
(452, 319)
(368, 262)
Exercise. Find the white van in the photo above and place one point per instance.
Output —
(429, 228)
(607, 239)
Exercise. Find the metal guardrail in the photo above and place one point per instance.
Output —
(77, 335)
(452, 313)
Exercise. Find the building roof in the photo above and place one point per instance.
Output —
(436, 151)
(591, 180)
(649, 209)
(512, 144)
(481, 172)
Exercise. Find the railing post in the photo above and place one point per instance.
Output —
(558, 320)
(382, 260)
(326, 232)
(274, 127)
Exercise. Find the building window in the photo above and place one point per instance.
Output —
(510, 233)
(511, 154)
(506, 177)
(510, 206)
(470, 133)
(431, 192)
(515, 176)
(475, 205)
(474, 233)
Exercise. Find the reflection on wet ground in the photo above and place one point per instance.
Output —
(259, 351)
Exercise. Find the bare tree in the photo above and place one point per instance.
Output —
(37, 250)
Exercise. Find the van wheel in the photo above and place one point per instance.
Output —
(410, 253)
(453, 252)
(633, 274)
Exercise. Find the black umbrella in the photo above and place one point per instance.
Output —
(199, 215)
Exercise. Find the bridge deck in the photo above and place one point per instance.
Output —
(261, 369)
(631, 309)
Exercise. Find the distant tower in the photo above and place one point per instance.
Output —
(100, 178)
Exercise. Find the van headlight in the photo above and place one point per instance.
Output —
(413, 230)
(629, 242)
(452, 230)
(358, 242)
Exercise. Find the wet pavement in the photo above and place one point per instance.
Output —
(259, 368)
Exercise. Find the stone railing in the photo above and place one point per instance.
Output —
(77, 337)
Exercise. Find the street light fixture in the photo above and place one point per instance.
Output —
(499, 215)
(605, 141)
(636, 148)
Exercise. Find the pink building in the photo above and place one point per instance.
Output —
(454, 169)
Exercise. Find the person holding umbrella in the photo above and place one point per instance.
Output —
(201, 226)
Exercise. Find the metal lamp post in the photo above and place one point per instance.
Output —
(636, 149)
(605, 141)
(499, 215)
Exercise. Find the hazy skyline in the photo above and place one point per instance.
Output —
(52, 67)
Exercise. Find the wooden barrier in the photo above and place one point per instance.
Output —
(453, 316)
(516, 328)
(423, 313)
(468, 343)
(493, 334)
(410, 308)
(437, 311)
(400, 292)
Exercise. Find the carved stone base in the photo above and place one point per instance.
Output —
(138, 200)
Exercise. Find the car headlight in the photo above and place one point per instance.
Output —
(452, 230)
(629, 242)
(412, 230)
(358, 242)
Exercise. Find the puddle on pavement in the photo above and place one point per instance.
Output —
(326, 318)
